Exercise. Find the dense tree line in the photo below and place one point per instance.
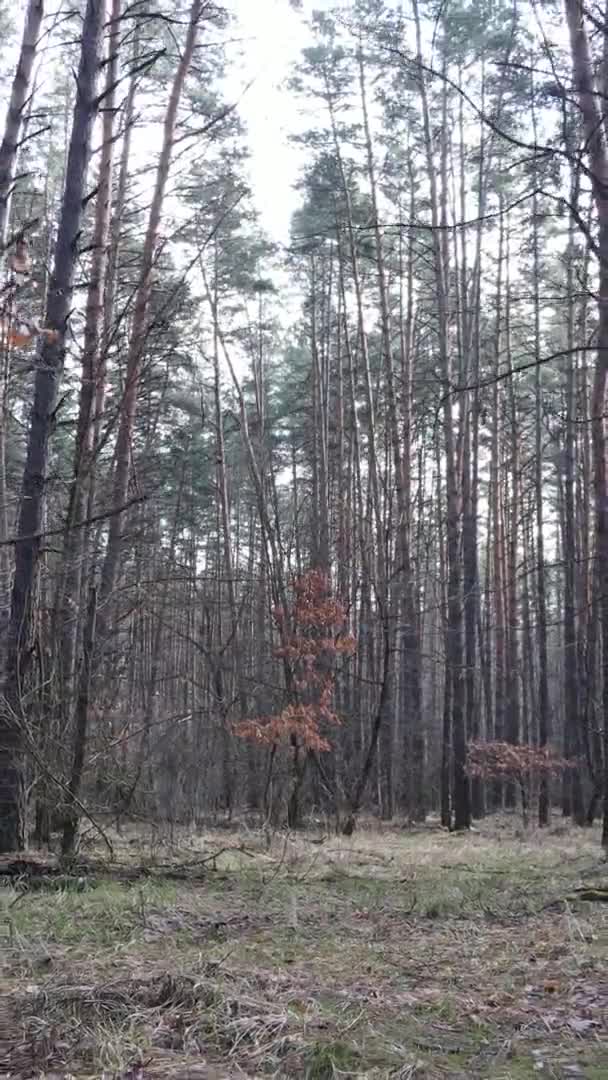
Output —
(281, 559)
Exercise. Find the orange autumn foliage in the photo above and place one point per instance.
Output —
(19, 335)
(16, 332)
(312, 636)
(496, 760)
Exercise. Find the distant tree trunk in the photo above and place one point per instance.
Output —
(9, 147)
(541, 595)
(72, 691)
(137, 340)
(572, 720)
(372, 523)
(496, 484)
(410, 642)
(530, 682)
(118, 207)
(470, 330)
(368, 763)
(445, 793)
(512, 509)
(411, 645)
(319, 374)
(358, 517)
(513, 713)
(446, 754)
(470, 482)
(70, 827)
(48, 374)
(75, 542)
(227, 563)
(9, 156)
(455, 632)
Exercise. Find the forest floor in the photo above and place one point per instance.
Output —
(395, 953)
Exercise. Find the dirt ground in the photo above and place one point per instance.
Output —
(395, 953)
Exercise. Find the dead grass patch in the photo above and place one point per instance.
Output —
(392, 954)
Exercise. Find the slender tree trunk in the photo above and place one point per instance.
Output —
(416, 744)
(513, 711)
(409, 633)
(597, 150)
(364, 776)
(446, 785)
(48, 375)
(9, 156)
(455, 657)
(541, 596)
(9, 147)
(75, 542)
(70, 828)
(572, 721)
(496, 483)
(137, 340)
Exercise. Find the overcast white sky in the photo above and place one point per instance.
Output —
(274, 35)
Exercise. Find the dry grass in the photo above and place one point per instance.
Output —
(390, 954)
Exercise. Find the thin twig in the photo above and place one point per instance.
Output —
(64, 787)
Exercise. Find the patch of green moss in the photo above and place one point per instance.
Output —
(326, 1060)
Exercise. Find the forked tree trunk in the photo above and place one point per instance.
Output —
(48, 374)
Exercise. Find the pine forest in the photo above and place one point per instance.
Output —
(304, 522)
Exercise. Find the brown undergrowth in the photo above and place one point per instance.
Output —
(393, 954)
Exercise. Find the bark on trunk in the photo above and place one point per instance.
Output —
(541, 594)
(455, 629)
(597, 149)
(137, 340)
(48, 375)
(9, 148)
(75, 544)
(405, 581)
(14, 128)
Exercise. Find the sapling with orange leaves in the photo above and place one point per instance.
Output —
(313, 635)
(496, 760)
